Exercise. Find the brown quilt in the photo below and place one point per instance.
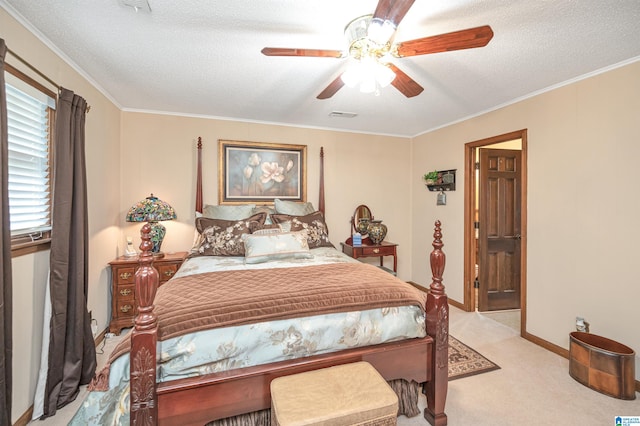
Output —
(217, 299)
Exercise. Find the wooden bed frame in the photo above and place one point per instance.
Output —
(199, 400)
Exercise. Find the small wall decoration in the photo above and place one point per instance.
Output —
(259, 172)
(441, 180)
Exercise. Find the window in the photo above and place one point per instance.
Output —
(30, 117)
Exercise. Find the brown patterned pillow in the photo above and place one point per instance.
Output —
(224, 237)
(318, 232)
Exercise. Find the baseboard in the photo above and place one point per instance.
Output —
(457, 304)
(100, 337)
(547, 345)
(418, 286)
(25, 418)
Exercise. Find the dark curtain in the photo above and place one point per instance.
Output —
(72, 357)
(5, 268)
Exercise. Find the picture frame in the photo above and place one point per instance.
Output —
(260, 172)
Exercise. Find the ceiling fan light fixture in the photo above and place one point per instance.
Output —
(376, 77)
(384, 75)
(380, 31)
(368, 85)
(353, 75)
(369, 74)
(356, 30)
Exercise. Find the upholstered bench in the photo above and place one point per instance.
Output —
(349, 394)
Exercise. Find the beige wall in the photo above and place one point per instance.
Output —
(158, 155)
(582, 203)
(103, 180)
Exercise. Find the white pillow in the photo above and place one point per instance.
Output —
(263, 248)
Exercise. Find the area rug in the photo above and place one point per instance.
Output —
(465, 362)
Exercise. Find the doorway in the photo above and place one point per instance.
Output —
(495, 225)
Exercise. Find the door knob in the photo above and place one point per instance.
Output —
(517, 237)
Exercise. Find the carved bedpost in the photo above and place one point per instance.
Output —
(199, 178)
(438, 328)
(321, 193)
(143, 401)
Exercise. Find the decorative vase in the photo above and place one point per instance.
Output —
(158, 231)
(377, 231)
(363, 225)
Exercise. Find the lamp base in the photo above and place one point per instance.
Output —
(157, 234)
(158, 255)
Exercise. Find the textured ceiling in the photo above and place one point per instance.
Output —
(202, 57)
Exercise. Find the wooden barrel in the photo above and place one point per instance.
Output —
(602, 364)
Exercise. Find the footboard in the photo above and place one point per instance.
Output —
(198, 400)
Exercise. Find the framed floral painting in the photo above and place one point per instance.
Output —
(259, 172)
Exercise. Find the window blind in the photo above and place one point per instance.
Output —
(29, 177)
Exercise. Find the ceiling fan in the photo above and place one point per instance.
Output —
(371, 45)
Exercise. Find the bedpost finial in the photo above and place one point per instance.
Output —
(322, 151)
(199, 142)
(146, 280)
(437, 259)
(437, 234)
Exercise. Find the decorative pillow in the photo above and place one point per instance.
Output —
(265, 209)
(224, 237)
(273, 228)
(238, 212)
(318, 232)
(263, 248)
(293, 208)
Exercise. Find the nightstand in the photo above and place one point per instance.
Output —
(123, 285)
(369, 249)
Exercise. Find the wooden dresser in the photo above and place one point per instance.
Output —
(123, 296)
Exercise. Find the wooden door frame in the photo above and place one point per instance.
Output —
(469, 231)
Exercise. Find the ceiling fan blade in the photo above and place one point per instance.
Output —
(405, 84)
(332, 88)
(463, 39)
(392, 10)
(283, 51)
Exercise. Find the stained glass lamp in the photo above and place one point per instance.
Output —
(152, 210)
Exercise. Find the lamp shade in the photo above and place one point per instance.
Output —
(152, 210)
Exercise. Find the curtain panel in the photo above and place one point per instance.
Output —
(6, 343)
(72, 356)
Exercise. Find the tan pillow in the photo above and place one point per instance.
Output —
(272, 228)
(293, 208)
(232, 212)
